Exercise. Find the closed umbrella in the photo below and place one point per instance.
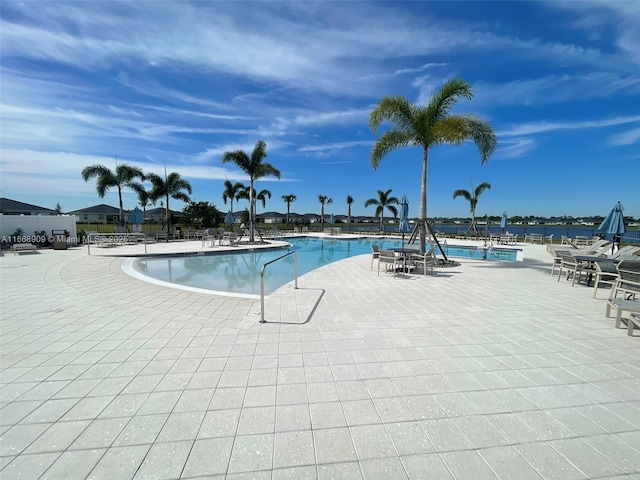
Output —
(332, 220)
(613, 224)
(503, 222)
(403, 226)
(228, 219)
(136, 217)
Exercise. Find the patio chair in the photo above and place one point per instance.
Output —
(572, 268)
(390, 259)
(424, 260)
(607, 273)
(628, 284)
(549, 239)
(375, 254)
(557, 259)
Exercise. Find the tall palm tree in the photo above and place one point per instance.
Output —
(231, 191)
(289, 199)
(124, 177)
(426, 127)
(255, 168)
(472, 198)
(350, 201)
(383, 201)
(171, 186)
(323, 199)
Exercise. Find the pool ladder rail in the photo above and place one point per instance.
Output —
(295, 276)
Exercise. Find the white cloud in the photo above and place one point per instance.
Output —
(626, 138)
(335, 146)
(515, 148)
(541, 127)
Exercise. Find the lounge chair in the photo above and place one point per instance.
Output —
(624, 252)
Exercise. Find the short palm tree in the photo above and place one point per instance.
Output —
(383, 201)
(323, 199)
(143, 200)
(255, 168)
(124, 177)
(428, 126)
(171, 186)
(289, 199)
(262, 195)
(231, 191)
(350, 201)
(472, 198)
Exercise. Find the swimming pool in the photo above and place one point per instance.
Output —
(238, 274)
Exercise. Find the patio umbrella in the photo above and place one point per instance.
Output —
(503, 221)
(332, 220)
(136, 217)
(403, 226)
(613, 224)
(228, 219)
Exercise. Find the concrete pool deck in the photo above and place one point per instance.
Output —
(485, 370)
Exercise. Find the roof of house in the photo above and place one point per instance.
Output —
(9, 206)
(98, 209)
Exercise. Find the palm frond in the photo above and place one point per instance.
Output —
(481, 188)
(398, 110)
(389, 141)
(446, 97)
(463, 193)
(393, 210)
(104, 183)
(483, 136)
(95, 171)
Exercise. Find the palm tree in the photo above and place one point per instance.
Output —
(350, 201)
(289, 199)
(143, 200)
(255, 168)
(124, 176)
(323, 199)
(231, 191)
(426, 127)
(383, 201)
(171, 186)
(262, 195)
(473, 200)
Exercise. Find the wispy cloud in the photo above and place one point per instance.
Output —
(335, 146)
(626, 138)
(541, 127)
(515, 148)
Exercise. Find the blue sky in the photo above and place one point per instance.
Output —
(155, 83)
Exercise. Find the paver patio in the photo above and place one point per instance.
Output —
(482, 371)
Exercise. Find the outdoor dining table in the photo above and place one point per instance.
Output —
(590, 261)
(405, 255)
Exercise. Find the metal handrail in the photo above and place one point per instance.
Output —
(295, 272)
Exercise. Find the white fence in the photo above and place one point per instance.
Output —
(33, 225)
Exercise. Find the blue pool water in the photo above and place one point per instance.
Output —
(239, 273)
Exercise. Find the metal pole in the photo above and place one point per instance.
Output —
(262, 320)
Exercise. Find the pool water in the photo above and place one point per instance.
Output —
(238, 274)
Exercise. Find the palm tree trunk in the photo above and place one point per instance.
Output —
(251, 213)
(121, 217)
(168, 217)
(288, 207)
(322, 218)
(423, 202)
